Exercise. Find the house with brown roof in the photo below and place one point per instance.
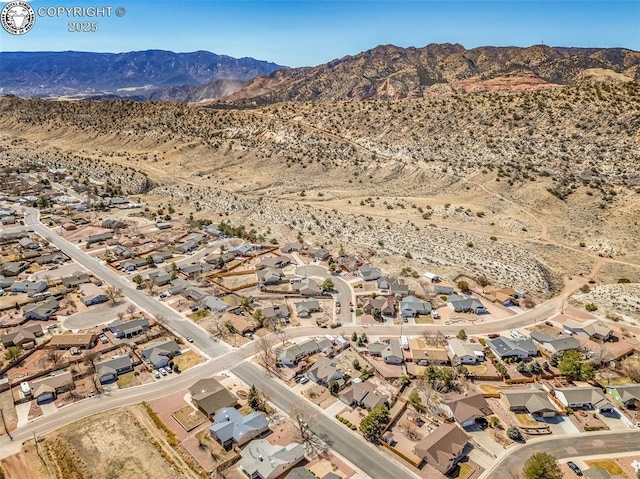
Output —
(443, 448)
(210, 396)
(69, 340)
(22, 335)
(424, 354)
(275, 262)
(47, 388)
(532, 401)
(384, 304)
(465, 409)
(325, 371)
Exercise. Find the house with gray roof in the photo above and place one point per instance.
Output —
(160, 278)
(276, 262)
(109, 369)
(369, 273)
(76, 280)
(49, 258)
(383, 283)
(291, 355)
(92, 294)
(160, 354)
(393, 353)
(194, 270)
(244, 250)
(215, 304)
(231, 427)
(6, 282)
(410, 306)
(320, 254)
(460, 352)
(593, 329)
(28, 243)
(269, 276)
(531, 401)
(628, 395)
(399, 288)
(128, 329)
(42, 310)
(161, 256)
(376, 348)
(509, 348)
(305, 308)
(133, 264)
(583, 398)
(292, 247)
(179, 285)
(276, 311)
(187, 246)
(98, 238)
(465, 304)
(307, 287)
(302, 473)
(263, 460)
(47, 388)
(13, 268)
(555, 345)
(29, 287)
(324, 371)
(466, 409)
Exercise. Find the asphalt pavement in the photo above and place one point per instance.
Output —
(344, 291)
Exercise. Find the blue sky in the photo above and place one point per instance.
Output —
(307, 32)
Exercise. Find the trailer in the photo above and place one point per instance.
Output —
(434, 278)
(26, 390)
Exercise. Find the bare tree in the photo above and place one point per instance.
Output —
(131, 309)
(306, 421)
(89, 358)
(219, 325)
(410, 430)
(114, 294)
(266, 355)
(120, 315)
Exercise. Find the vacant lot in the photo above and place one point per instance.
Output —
(119, 444)
(187, 360)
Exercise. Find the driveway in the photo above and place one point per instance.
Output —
(561, 425)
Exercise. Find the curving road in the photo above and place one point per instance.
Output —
(345, 293)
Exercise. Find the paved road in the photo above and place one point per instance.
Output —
(345, 293)
(365, 456)
(94, 316)
(173, 320)
(570, 446)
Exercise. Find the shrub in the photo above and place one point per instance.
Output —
(590, 307)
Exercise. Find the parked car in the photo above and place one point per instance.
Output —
(548, 323)
(298, 377)
(103, 339)
(169, 370)
(304, 380)
(574, 467)
(164, 295)
(189, 339)
(248, 335)
(156, 374)
(494, 336)
(163, 372)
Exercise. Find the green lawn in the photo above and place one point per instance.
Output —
(198, 315)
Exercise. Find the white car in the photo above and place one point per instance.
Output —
(163, 371)
(516, 334)
(156, 374)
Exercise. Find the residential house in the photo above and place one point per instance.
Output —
(196, 294)
(210, 396)
(22, 336)
(195, 270)
(393, 353)
(263, 460)
(46, 389)
(363, 394)
(213, 230)
(504, 296)
(348, 263)
(111, 224)
(556, 345)
(6, 282)
(443, 448)
(464, 353)
(98, 238)
(163, 225)
(231, 427)
(305, 308)
(376, 348)
(70, 340)
(324, 371)
(75, 280)
(42, 310)
(320, 254)
(49, 258)
(277, 311)
(119, 251)
(29, 287)
(509, 348)
(197, 237)
(301, 473)
(369, 273)
(466, 409)
(160, 278)
(133, 264)
(583, 398)
(8, 220)
(628, 395)
(160, 354)
(269, 276)
(13, 268)
(593, 329)
(109, 369)
(291, 355)
(307, 287)
(445, 290)
(161, 256)
(215, 304)
(383, 283)
(288, 248)
(465, 304)
(28, 243)
(187, 247)
(410, 306)
(128, 329)
(240, 323)
(244, 250)
(117, 201)
(275, 262)
(423, 354)
(384, 304)
(399, 288)
(219, 260)
(529, 401)
(179, 286)
(92, 294)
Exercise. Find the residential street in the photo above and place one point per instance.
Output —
(345, 293)
(565, 447)
(365, 456)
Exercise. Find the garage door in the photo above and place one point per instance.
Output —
(45, 398)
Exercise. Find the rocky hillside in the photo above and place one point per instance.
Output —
(57, 73)
(388, 71)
